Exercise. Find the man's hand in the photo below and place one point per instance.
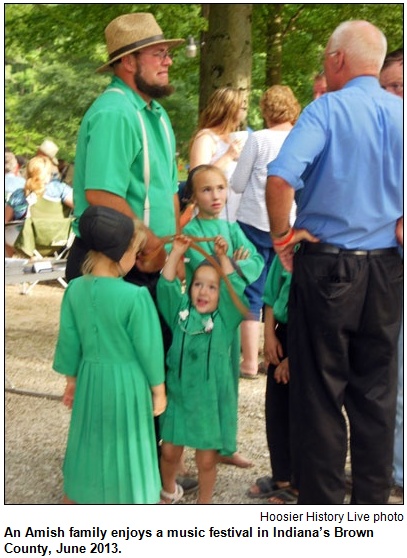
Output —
(286, 251)
(152, 257)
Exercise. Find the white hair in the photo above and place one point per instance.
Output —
(363, 43)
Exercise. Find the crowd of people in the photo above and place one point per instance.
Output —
(29, 181)
(298, 225)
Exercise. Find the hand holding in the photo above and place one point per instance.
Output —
(159, 403)
(241, 254)
(221, 246)
(282, 372)
(69, 393)
(181, 244)
(235, 149)
(285, 251)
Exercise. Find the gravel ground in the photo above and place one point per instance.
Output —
(37, 425)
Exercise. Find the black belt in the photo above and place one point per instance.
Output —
(323, 248)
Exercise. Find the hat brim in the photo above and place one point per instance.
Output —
(170, 44)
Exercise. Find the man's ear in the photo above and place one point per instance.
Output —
(339, 61)
(129, 62)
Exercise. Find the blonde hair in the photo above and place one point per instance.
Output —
(279, 105)
(222, 110)
(137, 242)
(38, 174)
(190, 187)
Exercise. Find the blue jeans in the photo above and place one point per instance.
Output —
(264, 246)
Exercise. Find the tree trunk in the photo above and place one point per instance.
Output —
(226, 52)
(274, 53)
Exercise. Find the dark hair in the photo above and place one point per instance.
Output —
(394, 56)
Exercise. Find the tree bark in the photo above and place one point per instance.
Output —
(274, 46)
(226, 52)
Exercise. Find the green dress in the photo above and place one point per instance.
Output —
(110, 339)
(201, 389)
(250, 268)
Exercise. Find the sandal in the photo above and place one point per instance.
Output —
(248, 376)
(284, 496)
(267, 487)
(188, 484)
(173, 498)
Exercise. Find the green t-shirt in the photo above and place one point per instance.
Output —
(109, 155)
(277, 290)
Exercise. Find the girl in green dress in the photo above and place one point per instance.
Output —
(110, 349)
(207, 188)
(201, 388)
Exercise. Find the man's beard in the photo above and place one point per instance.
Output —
(153, 91)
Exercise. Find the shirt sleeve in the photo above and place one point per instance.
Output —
(245, 164)
(111, 150)
(68, 352)
(145, 331)
(228, 311)
(303, 145)
(169, 298)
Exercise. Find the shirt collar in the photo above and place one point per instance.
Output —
(364, 82)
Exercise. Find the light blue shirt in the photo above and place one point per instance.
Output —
(345, 152)
(12, 182)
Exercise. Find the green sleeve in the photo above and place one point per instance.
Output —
(252, 267)
(230, 314)
(110, 152)
(68, 351)
(277, 290)
(145, 331)
(169, 299)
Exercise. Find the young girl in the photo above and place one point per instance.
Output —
(207, 188)
(214, 143)
(110, 349)
(201, 390)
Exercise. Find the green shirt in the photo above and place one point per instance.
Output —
(109, 155)
(277, 290)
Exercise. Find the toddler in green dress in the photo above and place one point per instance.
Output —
(110, 349)
(207, 188)
(201, 388)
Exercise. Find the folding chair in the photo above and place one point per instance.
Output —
(46, 233)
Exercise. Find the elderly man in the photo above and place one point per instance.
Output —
(125, 156)
(345, 154)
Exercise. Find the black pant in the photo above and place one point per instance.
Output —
(278, 418)
(344, 320)
(76, 258)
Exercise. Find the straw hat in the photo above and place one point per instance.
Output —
(130, 33)
(50, 149)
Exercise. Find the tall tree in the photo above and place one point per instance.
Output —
(226, 53)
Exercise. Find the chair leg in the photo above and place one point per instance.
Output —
(62, 282)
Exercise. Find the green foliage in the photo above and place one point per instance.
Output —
(52, 51)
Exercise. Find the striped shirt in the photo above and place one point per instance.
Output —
(250, 176)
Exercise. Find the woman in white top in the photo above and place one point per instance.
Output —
(213, 142)
(280, 110)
